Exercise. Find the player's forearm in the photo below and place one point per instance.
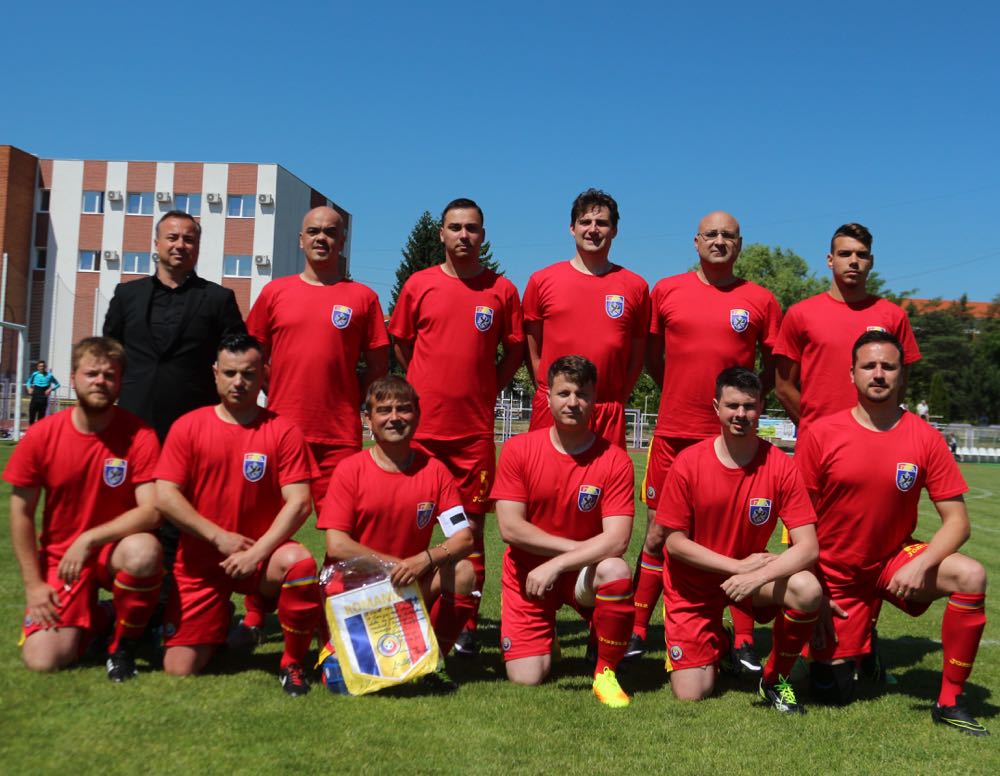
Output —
(530, 538)
(454, 548)
(403, 352)
(513, 355)
(340, 546)
(24, 543)
(948, 539)
(790, 397)
(681, 548)
(376, 366)
(139, 519)
(591, 551)
(796, 558)
(533, 348)
(766, 371)
(178, 510)
(656, 361)
(289, 520)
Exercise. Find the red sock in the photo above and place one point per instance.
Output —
(614, 615)
(449, 615)
(742, 627)
(299, 610)
(134, 600)
(478, 560)
(792, 630)
(961, 630)
(258, 607)
(648, 583)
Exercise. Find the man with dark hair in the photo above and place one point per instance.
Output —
(811, 352)
(458, 314)
(95, 463)
(590, 306)
(564, 501)
(235, 479)
(721, 500)
(384, 501)
(702, 322)
(864, 468)
(41, 383)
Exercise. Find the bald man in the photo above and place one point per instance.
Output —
(702, 322)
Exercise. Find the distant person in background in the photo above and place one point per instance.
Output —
(40, 385)
(923, 411)
(953, 444)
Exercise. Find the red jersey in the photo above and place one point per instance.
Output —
(866, 484)
(819, 333)
(455, 326)
(564, 495)
(392, 512)
(705, 330)
(232, 475)
(730, 511)
(595, 316)
(89, 479)
(315, 336)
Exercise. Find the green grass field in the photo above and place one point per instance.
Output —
(237, 720)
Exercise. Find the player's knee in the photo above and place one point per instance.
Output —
(289, 555)
(184, 661)
(528, 677)
(805, 591)
(832, 683)
(48, 651)
(464, 578)
(694, 685)
(611, 570)
(142, 555)
(44, 661)
(971, 576)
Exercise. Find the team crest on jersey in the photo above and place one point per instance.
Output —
(906, 475)
(587, 498)
(505, 644)
(650, 491)
(114, 471)
(484, 317)
(341, 316)
(760, 510)
(739, 319)
(614, 305)
(676, 653)
(425, 511)
(254, 465)
(876, 328)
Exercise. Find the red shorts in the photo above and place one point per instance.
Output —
(607, 421)
(79, 600)
(856, 592)
(693, 628)
(528, 625)
(472, 461)
(327, 457)
(659, 458)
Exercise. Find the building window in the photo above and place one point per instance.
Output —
(41, 258)
(241, 205)
(188, 203)
(93, 202)
(44, 195)
(90, 261)
(140, 203)
(236, 266)
(137, 263)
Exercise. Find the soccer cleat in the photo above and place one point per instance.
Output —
(121, 663)
(958, 718)
(244, 638)
(636, 647)
(293, 680)
(744, 660)
(781, 696)
(608, 691)
(466, 645)
(439, 682)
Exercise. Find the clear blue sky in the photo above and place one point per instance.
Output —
(793, 117)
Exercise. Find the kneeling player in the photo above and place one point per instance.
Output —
(381, 502)
(235, 479)
(718, 505)
(95, 463)
(864, 468)
(565, 506)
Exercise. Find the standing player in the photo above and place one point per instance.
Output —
(235, 479)
(565, 506)
(588, 305)
(720, 501)
(702, 322)
(41, 384)
(95, 463)
(448, 322)
(864, 468)
(383, 502)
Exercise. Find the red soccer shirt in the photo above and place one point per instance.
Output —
(866, 485)
(595, 316)
(705, 330)
(730, 511)
(315, 336)
(89, 479)
(819, 333)
(564, 495)
(232, 475)
(392, 512)
(455, 326)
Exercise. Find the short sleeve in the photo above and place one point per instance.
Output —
(619, 493)
(376, 336)
(403, 324)
(295, 464)
(796, 508)
(25, 468)
(513, 331)
(675, 502)
(510, 484)
(772, 322)
(909, 342)
(259, 319)
(175, 464)
(641, 324)
(531, 304)
(144, 456)
(787, 343)
(944, 479)
(656, 323)
(339, 505)
(807, 462)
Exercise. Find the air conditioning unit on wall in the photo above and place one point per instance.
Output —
(163, 196)
(261, 259)
(213, 199)
(114, 196)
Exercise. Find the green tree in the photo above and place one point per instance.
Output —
(783, 272)
(938, 401)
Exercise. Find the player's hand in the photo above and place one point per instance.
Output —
(541, 579)
(241, 564)
(824, 632)
(227, 542)
(740, 586)
(754, 562)
(409, 570)
(909, 580)
(43, 604)
(75, 558)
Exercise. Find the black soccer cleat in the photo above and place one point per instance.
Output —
(781, 696)
(957, 718)
(636, 647)
(466, 645)
(121, 663)
(439, 682)
(293, 680)
(745, 660)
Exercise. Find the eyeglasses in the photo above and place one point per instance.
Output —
(713, 234)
